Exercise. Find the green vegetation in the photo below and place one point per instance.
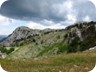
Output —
(63, 49)
(9, 51)
(76, 46)
(5, 50)
(87, 43)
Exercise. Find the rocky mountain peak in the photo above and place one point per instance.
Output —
(19, 33)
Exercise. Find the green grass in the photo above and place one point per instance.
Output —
(60, 47)
(46, 49)
(75, 62)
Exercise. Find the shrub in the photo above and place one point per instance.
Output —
(34, 40)
(4, 50)
(42, 41)
(88, 42)
(66, 35)
(10, 50)
(58, 37)
(62, 49)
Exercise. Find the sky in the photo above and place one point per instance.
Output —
(41, 14)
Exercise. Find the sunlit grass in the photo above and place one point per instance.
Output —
(76, 62)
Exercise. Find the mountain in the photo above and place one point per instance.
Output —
(28, 43)
(19, 34)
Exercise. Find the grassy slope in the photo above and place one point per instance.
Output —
(76, 62)
(52, 43)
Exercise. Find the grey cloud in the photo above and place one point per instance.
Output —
(29, 9)
(38, 10)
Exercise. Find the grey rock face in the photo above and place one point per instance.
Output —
(82, 36)
(20, 33)
(81, 31)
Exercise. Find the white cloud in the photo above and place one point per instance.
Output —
(6, 21)
(62, 7)
(87, 18)
(5, 31)
(66, 9)
(2, 1)
(35, 25)
(47, 22)
(71, 18)
(57, 26)
(5, 24)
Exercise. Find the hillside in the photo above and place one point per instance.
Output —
(26, 43)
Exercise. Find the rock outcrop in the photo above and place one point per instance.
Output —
(18, 34)
(80, 36)
(22, 33)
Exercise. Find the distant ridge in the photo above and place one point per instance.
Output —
(2, 36)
